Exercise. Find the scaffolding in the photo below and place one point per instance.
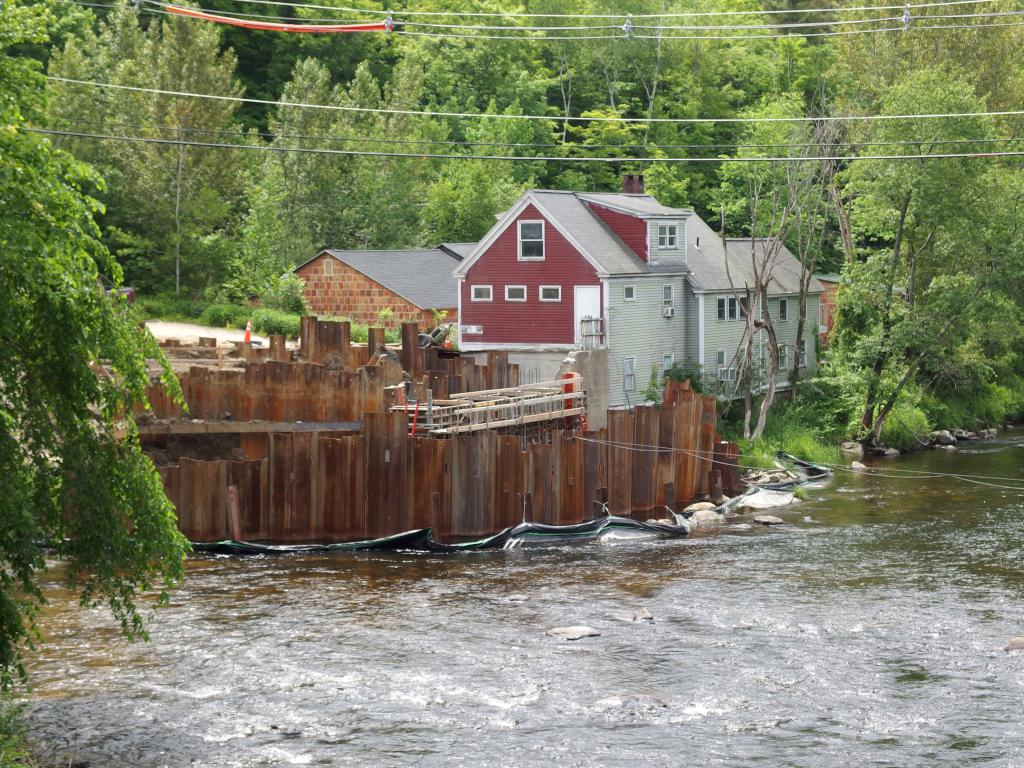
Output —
(500, 409)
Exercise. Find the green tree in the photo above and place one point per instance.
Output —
(73, 365)
(167, 202)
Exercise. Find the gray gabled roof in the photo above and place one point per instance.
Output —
(459, 250)
(423, 278)
(587, 229)
(707, 263)
(639, 204)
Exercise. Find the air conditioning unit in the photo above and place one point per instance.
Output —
(668, 311)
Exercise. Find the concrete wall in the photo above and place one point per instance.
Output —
(533, 365)
(592, 365)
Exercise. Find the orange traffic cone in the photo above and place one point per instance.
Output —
(248, 332)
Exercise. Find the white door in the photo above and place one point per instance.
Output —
(586, 303)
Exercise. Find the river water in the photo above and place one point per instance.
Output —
(866, 631)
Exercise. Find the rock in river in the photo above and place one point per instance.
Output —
(1015, 644)
(768, 520)
(699, 506)
(705, 518)
(573, 633)
(643, 615)
(891, 453)
(856, 465)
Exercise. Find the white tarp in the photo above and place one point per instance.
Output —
(763, 498)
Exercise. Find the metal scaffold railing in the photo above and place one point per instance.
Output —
(498, 408)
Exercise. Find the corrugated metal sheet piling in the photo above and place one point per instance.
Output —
(326, 459)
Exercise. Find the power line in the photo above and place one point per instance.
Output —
(533, 33)
(619, 16)
(523, 158)
(660, 27)
(271, 136)
(553, 118)
(547, 38)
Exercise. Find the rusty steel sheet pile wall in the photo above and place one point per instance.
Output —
(322, 486)
(317, 482)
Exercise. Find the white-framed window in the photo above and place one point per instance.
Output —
(628, 293)
(329, 265)
(481, 293)
(668, 295)
(783, 357)
(550, 293)
(823, 315)
(531, 240)
(783, 309)
(667, 361)
(667, 236)
(515, 293)
(629, 373)
(802, 351)
(727, 308)
(725, 372)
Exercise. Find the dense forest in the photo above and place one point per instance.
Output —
(335, 140)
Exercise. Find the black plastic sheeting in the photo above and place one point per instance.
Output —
(422, 539)
(807, 473)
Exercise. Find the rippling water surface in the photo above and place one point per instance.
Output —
(866, 631)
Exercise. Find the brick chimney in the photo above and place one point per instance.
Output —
(633, 183)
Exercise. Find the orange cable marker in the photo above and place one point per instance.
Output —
(270, 26)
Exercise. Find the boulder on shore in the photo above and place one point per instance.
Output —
(1015, 644)
(943, 437)
(852, 447)
(575, 632)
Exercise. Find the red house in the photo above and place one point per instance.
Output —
(546, 264)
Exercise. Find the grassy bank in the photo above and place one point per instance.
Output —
(785, 430)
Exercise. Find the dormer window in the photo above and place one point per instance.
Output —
(667, 236)
(531, 241)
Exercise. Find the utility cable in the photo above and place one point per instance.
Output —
(619, 16)
(553, 118)
(272, 136)
(891, 473)
(523, 158)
